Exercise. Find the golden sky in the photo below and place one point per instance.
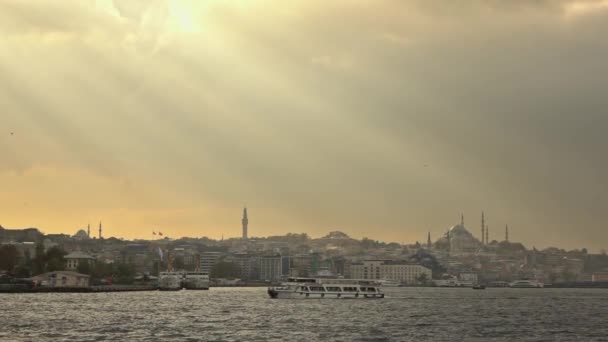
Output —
(380, 118)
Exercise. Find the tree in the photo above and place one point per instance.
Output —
(38, 264)
(568, 275)
(426, 259)
(552, 277)
(23, 271)
(422, 278)
(125, 273)
(8, 258)
(367, 243)
(54, 259)
(84, 268)
(102, 270)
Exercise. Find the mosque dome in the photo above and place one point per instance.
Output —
(460, 240)
(459, 229)
(81, 235)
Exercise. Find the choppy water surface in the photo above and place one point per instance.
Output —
(246, 314)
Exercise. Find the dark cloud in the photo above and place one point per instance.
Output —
(330, 114)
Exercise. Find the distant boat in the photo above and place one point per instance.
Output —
(196, 281)
(389, 283)
(534, 284)
(170, 281)
(453, 283)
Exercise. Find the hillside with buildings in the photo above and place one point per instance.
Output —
(457, 255)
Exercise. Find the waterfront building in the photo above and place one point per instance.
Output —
(271, 268)
(405, 273)
(598, 277)
(248, 266)
(77, 258)
(62, 279)
(208, 260)
(301, 265)
(468, 277)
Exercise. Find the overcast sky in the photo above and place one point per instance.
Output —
(380, 118)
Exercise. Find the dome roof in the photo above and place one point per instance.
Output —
(337, 235)
(81, 234)
(459, 229)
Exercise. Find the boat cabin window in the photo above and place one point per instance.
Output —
(317, 288)
(301, 280)
(334, 289)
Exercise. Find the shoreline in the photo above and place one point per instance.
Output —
(140, 288)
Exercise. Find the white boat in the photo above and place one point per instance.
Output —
(389, 283)
(170, 281)
(311, 288)
(527, 284)
(196, 281)
(453, 283)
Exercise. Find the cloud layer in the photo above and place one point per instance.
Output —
(381, 118)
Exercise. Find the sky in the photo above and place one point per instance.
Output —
(380, 118)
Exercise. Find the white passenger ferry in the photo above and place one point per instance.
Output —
(196, 281)
(170, 281)
(309, 288)
(527, 284)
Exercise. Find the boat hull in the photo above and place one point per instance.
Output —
(279, 294)
(196, 284)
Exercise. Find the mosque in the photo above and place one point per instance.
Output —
(458, 240)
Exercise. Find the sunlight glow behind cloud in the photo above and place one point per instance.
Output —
(375, 117)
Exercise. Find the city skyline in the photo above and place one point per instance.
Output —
(379, 118)
(432, 236)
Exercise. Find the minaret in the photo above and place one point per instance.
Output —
(507, 233)
(89, 230)
(462, 220)
(245, 222)
(483, 224)
(487, 234)
(100, 236)
(449, 242)
(428, 241)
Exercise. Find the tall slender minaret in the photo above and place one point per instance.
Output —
(449, 242)
(487, 234)
(89, 230)
(245, 222)
(483, 225)
(462, 220)
(507, 233)
(428, 241)
(100, 236)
